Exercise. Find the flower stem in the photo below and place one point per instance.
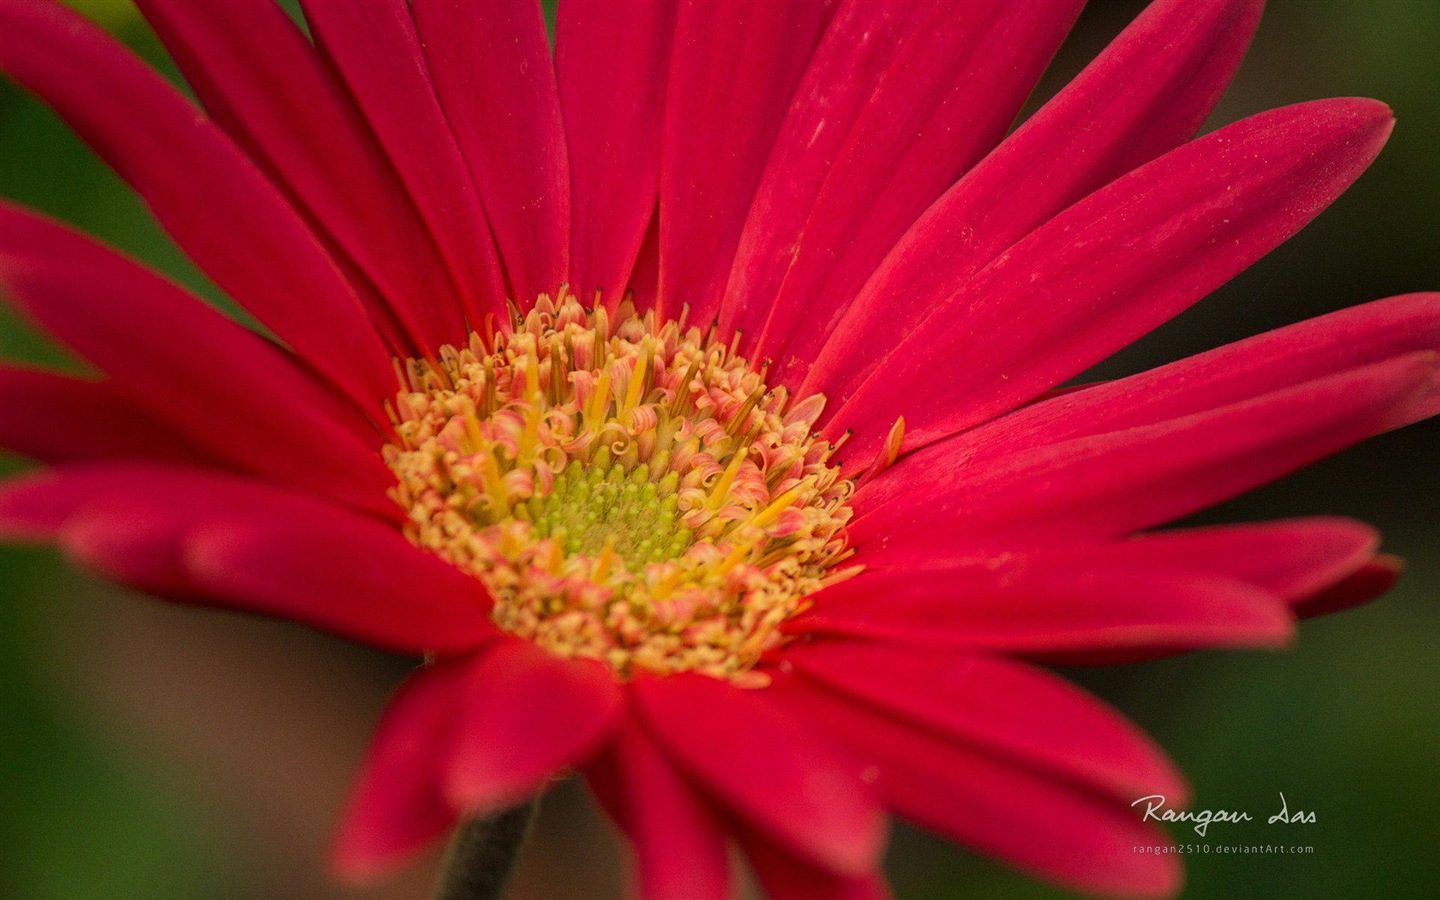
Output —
(482, 855)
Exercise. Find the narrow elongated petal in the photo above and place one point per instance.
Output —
(1113, 267)
(855, 51)
(1104, 486)
(733, 72)
(954, 87)
(764, 767)
(1146, 94)
(785, 876)
(1034, 821)
(1032, 608)
(492, 70)
(1277, 360)
(55, 418)
(375, 49)
(227, 389)
(225, 214)
(679, 842)
(396, 806)
(221, 540)
(1368, 582)
(263, 81)
(526, 716)
(612, 61)
(1013, 711)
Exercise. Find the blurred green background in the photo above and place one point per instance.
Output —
(147, 751)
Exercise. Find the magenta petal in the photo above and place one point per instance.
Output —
(1030, 607)
(396, 808)
(1040, 823)
(1094, 488)
(1283, 358)
(949, 96)
(228, 390)
(1008, 709)
(1114, 266)
(374, 47)
(856, 50)
(1365, 584)
(766, 768)
(678, 842)
(613, 122)
(260, 77)
(787, 877)
(491, 65)
(733, 72)
(1147, 93)
(527, 715)
(223, 213)
(55, 418)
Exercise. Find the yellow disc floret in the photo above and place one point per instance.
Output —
(627, 489)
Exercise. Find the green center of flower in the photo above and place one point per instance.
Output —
(627, 489)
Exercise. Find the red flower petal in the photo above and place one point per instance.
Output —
(788, 877)
(1279, 359)
(491, 66)
(55, 418)
(613, 122)
(223, 213)
(951, 92)
(526, 715)
(759, 763)
(1146, 94)
(1093, 488)
(1113, 267)
(733, 71)
(679, 844)
(1009, 710)
(262, 80)
(219, 540)
(374, 47)
(232, 392)
(1368, 582)
(1034, 821)
(396, 807)
(1026, 606)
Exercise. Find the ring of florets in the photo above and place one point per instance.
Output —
(627, 489)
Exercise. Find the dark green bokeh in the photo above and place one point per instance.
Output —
(104, 798)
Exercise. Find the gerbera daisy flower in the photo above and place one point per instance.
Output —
(693, 400)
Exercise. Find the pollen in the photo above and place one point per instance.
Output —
(627, 489)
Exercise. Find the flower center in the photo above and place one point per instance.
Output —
(627, 489)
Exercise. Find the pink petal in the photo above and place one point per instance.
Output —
(1030, 607)
(613, 122)
(1035, 821)
(220, 540)
(527, 715)
(733, 72)
(950, 95)
(261, 79)
(229, 391)
(491, 66)
(374, 47)
(55, 418)
(1114, 266)
(1368, 582)
(216, 204)
(766, 768)
(1009, 710)
(856, 50)
(1094, 488)
(1147, 93)
(396, 808)
(1280, 359)
(678, 842)
(787, 877)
